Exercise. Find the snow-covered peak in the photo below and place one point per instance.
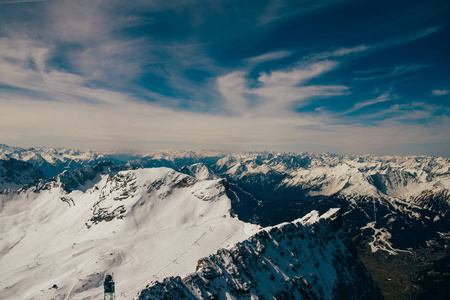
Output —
(160, 198)
(406, 198)
(314, 216)
(199, 171)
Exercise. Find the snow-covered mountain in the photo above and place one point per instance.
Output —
(14, 174)
(305, 259)
(397, 202)
(142, 225)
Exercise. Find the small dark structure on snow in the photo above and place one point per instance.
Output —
(109, 287)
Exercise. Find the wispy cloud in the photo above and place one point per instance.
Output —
(382, 73)
(276, 90)
(440, 92)
(92, 43)
(232, 87)
(344, 51)
(279, 9)
(414, 112)
(408, 38)
(382, 98)
(268, 56)
(297, 75)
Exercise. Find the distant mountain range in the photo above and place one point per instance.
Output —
(53, 161)
(390, 205)
(396, 202)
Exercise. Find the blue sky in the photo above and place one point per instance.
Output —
(323, 76)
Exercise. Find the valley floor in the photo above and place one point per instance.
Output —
(406, 276)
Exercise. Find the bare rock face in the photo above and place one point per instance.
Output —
(309, 258)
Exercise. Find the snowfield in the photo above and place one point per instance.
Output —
(141, 225)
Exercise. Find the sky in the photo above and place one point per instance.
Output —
(313, 75)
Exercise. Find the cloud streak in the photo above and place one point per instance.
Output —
(408, 37)
(268, 57)
(389, 72)
(440, 92)
(382, 98)
(344, 51)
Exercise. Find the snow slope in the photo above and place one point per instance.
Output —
(304, 259)
(141, 225)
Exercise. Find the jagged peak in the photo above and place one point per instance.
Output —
(199, 171)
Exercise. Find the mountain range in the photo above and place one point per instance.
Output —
(60, 240)
(392, 206)
(386, 199)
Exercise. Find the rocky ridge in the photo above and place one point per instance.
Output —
(309, 258)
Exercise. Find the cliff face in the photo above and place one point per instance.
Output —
(309, 258)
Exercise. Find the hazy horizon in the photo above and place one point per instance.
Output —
(211, 150)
